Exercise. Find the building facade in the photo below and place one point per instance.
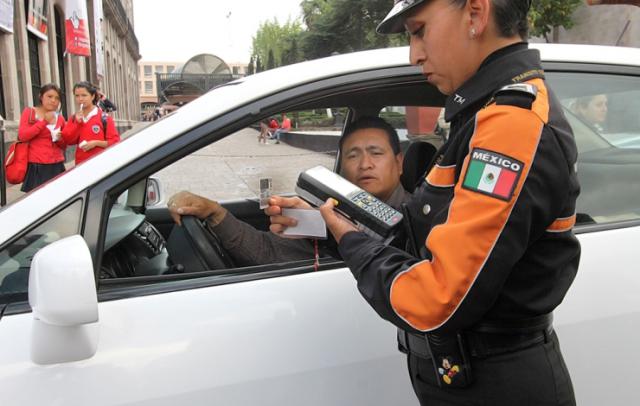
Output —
(148, 81)
(172, 84)
(28, 61)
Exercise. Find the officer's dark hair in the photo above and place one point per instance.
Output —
(49, 86)
(365, 122)
(510, 16)
(89, 87)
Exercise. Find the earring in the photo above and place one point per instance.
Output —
(472, 33)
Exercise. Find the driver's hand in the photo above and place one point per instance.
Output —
(188, 204)
(279, 222)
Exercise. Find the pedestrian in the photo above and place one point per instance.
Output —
(285, 127)
(105, 104)
(40, 126)
(90, 128)
(492, 222)
(264, 133)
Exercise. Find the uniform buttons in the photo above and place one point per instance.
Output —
(426, 209)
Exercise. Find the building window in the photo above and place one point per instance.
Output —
(148, 86)
(3, 113)
(170, 68)
(147, 70)
(159, 69)
(34, 66)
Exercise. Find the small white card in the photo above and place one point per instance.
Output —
(310, 223)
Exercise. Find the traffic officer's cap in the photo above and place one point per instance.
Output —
(393, 23)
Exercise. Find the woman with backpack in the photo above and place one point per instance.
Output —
(40, 127)
(91, 129)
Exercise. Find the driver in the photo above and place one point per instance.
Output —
(370, 157)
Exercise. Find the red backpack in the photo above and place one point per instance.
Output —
(15, 163)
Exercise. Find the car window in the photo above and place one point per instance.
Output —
(604, 113)
(232, 167)
(417, 123)
(15, 259)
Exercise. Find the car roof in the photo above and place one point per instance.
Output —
(240, 92)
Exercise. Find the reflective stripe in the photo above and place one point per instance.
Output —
(562, 224)
(442, 176)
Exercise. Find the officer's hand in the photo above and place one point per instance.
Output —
(188, 204)
(337, 224)
(279, 222)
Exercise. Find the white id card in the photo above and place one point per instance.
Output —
(310, 223)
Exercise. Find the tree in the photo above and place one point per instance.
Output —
(277, 39)
(271, 62)
(344, 26)
(250, 67)
(258, 64)
(547, 15)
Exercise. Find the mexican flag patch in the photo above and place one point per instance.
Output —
(492, 174)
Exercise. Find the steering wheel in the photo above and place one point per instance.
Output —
(197, 247)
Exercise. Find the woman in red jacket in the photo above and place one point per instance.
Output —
(40, 126)
(90, 128)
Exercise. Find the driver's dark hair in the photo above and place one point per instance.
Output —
(365, 122)
(510, 15)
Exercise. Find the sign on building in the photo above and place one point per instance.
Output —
(6, 15)
(77, 28)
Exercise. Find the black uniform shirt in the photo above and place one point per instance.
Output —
(494, 217)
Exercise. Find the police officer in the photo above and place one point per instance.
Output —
(492, 221)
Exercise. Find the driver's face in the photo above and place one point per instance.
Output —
(367, 160)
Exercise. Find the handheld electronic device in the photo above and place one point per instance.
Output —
(372, 215)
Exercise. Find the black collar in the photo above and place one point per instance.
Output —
(512, 64)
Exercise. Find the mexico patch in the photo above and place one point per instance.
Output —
(492, 174)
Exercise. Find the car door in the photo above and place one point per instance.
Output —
(598, 321)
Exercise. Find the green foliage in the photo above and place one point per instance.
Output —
(281, 41)
(332, 26)
(251, 67)
(340, 26)
(546, 14)
(397, 120)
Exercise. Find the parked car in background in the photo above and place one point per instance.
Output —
(96, 309)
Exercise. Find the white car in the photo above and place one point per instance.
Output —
(96, 309)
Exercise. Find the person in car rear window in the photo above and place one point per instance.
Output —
(492, 223)
(370, 157)
(593, 110)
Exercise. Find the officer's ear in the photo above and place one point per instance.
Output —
(478, 16)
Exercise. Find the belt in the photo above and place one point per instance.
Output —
(487, 338)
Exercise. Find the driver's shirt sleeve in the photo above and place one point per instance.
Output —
(249, 246)
(480, 238)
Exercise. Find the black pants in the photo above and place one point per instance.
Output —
(535, 376)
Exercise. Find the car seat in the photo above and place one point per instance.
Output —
(417, 159)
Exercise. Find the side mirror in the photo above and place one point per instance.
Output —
(63, 298)
(154, 192)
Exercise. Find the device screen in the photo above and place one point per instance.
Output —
(338, 183)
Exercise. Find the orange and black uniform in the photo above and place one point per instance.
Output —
(493, 223)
